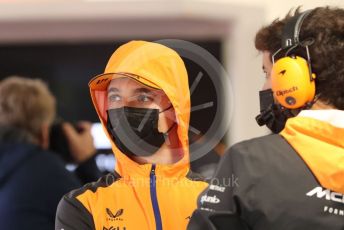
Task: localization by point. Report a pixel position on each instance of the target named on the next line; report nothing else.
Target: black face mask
(135, 130)
(273, 115)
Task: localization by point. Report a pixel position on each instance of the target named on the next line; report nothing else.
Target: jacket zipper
(154, 199)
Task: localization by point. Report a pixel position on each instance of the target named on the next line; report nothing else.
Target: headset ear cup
(291, 82)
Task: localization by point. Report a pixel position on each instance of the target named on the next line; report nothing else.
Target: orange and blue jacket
(139, 196)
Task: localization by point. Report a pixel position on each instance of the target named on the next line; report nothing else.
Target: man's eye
(144, 98)
(115, 97)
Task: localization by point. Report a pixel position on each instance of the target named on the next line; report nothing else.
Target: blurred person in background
(143, 102)
(294, 179)
(33, 179)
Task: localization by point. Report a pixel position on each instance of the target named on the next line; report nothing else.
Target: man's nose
(267, 84)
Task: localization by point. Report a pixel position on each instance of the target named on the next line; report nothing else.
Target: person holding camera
(32, 178)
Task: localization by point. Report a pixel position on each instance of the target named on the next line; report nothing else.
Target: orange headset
(292, 80)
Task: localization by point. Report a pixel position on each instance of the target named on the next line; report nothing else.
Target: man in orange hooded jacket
(143, 102)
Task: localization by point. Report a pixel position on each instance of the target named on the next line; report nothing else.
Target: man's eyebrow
(143, 90)
(113, 90)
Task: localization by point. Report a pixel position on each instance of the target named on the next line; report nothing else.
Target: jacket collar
(331, 116)
(128, 168)
(318, 137)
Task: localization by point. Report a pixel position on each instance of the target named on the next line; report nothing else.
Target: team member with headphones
(291, 82)
(294, 179)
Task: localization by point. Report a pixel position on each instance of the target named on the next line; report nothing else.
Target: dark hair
(326, 26)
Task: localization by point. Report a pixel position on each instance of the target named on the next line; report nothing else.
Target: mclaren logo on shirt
(327, 194)
(114, 228)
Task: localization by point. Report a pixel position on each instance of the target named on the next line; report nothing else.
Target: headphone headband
(291, 31)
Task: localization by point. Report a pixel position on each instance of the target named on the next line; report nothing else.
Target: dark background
(67, 68)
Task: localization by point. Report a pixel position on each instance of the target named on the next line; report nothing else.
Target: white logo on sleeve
(322, 193)
(217, 188)
(327, 194)
(210, 199)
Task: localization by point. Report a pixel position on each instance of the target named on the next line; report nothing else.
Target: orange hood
(157, 66)
(318, 137)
